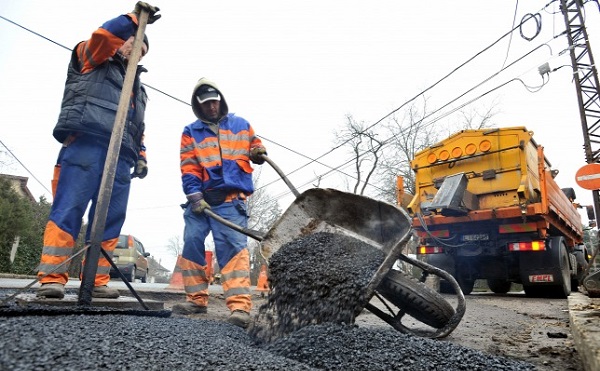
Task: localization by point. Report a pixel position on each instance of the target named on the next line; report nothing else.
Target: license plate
(475, 237)
(541, 278)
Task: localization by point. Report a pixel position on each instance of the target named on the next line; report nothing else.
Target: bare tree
(365, 147)
(381, 161)
(263, 210)
(407, 136)
(175, 246)
(477, 117)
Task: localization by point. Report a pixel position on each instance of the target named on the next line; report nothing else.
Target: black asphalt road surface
(130, 342)
(316, 287)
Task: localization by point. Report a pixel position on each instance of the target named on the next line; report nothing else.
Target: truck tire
(564, 284)
(416, 299)
(499, 286)
(466, 284)
(582, 265)
(563, 287)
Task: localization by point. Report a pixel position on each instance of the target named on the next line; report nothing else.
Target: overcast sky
(294, 70)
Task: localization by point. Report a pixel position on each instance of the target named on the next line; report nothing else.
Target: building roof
(19, 184)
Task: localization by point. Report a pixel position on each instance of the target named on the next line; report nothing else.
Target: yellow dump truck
(486, 206)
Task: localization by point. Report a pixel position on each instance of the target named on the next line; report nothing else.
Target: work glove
(141, 169)
(256, 155)
(198, 202)
(152, 16)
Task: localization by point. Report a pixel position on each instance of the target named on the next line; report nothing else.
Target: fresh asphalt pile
(317, 285)
(318, 278)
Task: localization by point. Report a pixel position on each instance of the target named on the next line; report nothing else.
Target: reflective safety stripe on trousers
(58, 247)
(194, 276)
(103, 264)
(235, 279)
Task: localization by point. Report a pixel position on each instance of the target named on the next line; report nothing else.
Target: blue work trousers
(228, 242)
(81, 168)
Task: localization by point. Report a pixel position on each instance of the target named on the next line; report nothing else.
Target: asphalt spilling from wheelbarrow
(318, 278)
(306, 324)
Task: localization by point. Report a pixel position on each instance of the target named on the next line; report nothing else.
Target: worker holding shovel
(95, 79)
(216, 151)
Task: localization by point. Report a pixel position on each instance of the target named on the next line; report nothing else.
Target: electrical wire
(313, 160)
(510, 39)
(538, 20)
(396, 135)
(25, 167)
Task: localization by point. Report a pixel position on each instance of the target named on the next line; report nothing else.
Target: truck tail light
(430, 250)
(527, 246)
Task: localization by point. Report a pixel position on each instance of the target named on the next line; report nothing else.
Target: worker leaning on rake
(216, 151)
(95, 78)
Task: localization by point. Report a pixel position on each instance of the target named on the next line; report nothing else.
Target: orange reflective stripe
(54, 260)
(195, 281)
(110, 245)
(189, 162)
(235, 145)
(208, 152)
(95, 51)
(54, 236)
(54, 278)
(58, 247)
(103, 272)
(103, 269)
(235, 279)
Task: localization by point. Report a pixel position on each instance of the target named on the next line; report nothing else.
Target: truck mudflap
(547, 273)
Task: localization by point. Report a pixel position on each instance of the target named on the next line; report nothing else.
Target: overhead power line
(313, 160)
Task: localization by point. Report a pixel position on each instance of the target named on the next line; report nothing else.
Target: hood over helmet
(204, 83)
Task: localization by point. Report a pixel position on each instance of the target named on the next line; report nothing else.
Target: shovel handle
(248, 232)
(282, 175)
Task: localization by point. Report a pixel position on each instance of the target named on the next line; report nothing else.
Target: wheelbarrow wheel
(416, 299)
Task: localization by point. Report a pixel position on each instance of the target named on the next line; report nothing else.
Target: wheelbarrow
(379, 224)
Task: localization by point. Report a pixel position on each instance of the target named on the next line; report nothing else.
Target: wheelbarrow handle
(247, 231)
(282, 175)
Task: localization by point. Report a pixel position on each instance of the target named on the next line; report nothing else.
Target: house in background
(157, 273)
(19, 184)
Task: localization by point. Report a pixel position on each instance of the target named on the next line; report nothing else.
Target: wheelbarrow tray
(376, 223)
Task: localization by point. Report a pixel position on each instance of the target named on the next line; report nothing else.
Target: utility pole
(585, 76)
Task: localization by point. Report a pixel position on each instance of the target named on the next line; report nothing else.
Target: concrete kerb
(584, 318)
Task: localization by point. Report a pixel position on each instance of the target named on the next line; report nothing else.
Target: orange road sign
(588, 176)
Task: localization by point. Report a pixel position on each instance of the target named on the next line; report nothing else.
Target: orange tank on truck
(487, 206)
